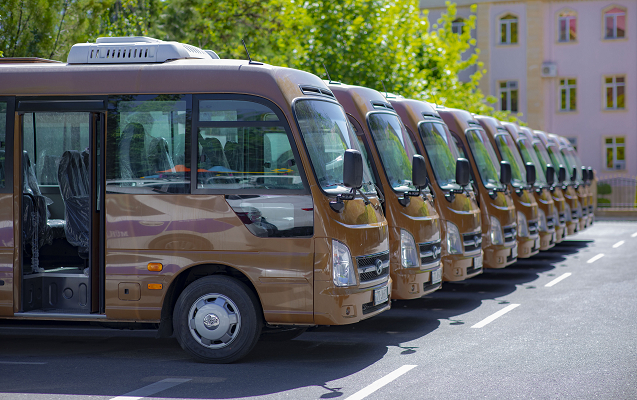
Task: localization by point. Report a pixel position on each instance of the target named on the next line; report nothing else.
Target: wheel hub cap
(211, 321)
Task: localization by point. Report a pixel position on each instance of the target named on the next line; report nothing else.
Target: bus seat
(132, 157)
(213, 150)
(47, 169)
(73, 176)
(159, 156)
(233, 155)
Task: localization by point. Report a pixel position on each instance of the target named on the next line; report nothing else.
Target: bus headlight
(495, 231)
(454, 242)
(409, 253)
(523, 227)
(541, 221)
(343, 268)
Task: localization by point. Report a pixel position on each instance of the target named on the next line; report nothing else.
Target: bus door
(7, 243)
(60, 169)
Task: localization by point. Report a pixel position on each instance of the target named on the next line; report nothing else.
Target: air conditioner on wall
(549, 70)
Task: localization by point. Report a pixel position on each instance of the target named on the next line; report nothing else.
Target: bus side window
(146, 144)
(3, 138)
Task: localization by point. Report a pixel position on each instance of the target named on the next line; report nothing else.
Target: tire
(281, 334)
(217, 319)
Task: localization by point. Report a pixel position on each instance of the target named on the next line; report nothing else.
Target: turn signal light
(155, 267)
(155, 286)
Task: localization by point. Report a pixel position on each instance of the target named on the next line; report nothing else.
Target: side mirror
(584, 174)
(353, 169)
(419, 171)
(591, 174)
(550, 175)
(574, 174)
(505, 172)
(530, 173)
(561, 176)
(463, 172)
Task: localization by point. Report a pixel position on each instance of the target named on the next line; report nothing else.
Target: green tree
(27, 27)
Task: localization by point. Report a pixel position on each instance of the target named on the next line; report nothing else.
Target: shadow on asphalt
(317, 357)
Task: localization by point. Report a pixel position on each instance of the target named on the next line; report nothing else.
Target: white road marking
(366, 391)
(495, 316)
(558, 279)
(151, 389)
(21, 363)
(616, 245)
(634, 235)
(597, 257)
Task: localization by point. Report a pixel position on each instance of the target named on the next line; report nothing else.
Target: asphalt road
(561, 325)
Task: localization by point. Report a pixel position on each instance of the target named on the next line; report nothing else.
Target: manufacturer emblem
(475, 240)
(379, 266)
(434, 250)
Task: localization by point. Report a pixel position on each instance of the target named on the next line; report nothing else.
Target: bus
(455, 200)
(401, 176)
(490, 181)
(146, 181)
(523, 178)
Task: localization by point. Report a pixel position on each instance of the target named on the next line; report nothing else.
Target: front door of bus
(59, 171)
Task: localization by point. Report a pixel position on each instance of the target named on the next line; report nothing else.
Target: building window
(615, 23)
(615, 89)
(509, 96)
(509, 29)
(457, 26)
(615, 155)
(567, 25)
(568, 94)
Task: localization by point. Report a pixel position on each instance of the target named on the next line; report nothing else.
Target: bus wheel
(217, 319)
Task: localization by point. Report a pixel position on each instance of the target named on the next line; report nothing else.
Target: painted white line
(495, 316)
(634, 235)
(366, 391)
(597, 257)
(558, 279)
(616, 245)
(21, 363)
(151, 389)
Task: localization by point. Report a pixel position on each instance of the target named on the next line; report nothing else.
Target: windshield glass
(557, 160)
(442, 153)
(484, 157)
(572, 163)
(529, 155)
(395, 149)
(510, 153)
(327, 135)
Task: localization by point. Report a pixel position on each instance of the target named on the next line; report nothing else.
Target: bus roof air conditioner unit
(549, 70)
(133, 50)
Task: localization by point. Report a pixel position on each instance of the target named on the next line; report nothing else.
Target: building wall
(589, 59)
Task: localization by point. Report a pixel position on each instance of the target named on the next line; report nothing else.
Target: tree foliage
(361, 42)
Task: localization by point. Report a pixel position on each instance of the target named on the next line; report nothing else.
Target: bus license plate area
(381, 295)
(477, 262)
(436, 276)
(514, 251)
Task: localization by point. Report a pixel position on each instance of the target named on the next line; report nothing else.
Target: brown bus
(490, 180)
(572, 211)
(149, 181)
(455, 201)
(548, 216)
(522, 180)
(582, 180)
(401, 175)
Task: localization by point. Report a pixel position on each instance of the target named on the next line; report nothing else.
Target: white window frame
(566, 17)
(507, 23)
(510, 87)
(567, 88)
(614, 16)
(614, 146)
(613, 86)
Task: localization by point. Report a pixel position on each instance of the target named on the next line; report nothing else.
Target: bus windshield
(529, 155)
(327, 135)
(509, 153)
(395, 149)
(557, 160)
(572, 163)
(484, 157)
(442, 153)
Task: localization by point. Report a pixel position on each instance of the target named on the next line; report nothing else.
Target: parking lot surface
(561, 325)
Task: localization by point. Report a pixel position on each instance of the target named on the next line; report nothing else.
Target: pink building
(569, 67)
